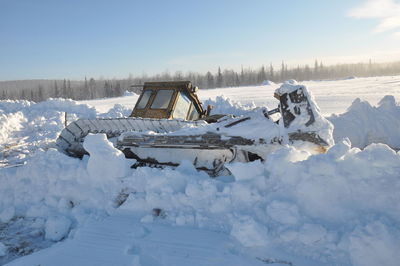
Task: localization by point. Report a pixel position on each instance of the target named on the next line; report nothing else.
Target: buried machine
(168, 125)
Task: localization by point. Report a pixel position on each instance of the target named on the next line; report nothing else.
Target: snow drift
(364, 124)
(333, 208)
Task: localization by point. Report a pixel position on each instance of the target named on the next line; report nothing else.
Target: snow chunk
(57, 227)
(249, 233)
(283, 212)
(241, 170)
(105, 161)
(312, 234)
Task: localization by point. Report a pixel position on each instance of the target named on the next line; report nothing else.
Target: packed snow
(338, 208)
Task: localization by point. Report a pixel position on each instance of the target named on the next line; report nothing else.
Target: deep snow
(338, 208)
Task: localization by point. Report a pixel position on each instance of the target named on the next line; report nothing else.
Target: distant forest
(89, 88)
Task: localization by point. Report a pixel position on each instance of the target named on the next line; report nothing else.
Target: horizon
(277, 69)
(70, 40)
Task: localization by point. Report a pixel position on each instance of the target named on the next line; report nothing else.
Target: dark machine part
(208, 141)
(299, 103)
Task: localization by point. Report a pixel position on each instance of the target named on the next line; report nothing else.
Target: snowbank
(335, 208)
(364, 124)
(39, 121)
(27, 126)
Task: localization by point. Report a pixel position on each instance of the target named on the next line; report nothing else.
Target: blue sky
(78, 38)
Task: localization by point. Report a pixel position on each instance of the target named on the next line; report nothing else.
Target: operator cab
(169, 100)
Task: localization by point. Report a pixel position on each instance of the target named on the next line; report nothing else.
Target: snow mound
(57, 227)
(364, 124)
(38, 121)
(26, 127)
(105, 161)
(129, 93)
(117, 111)
(332, 208)
(267, 82)
(225, 105)
(8, 124)
(311, 208)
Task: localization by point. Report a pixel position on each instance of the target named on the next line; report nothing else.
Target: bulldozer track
(71, 138)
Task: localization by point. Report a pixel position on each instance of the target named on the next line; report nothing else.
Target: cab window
(145, 98)
(193, 114)
(182, 106)
(162, 99)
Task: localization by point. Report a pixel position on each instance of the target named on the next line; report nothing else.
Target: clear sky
(77, 38)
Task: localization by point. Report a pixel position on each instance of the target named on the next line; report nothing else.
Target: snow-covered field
(333, 97)
(338, 208)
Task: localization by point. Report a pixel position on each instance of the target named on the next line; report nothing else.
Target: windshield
(182, 106)
(162, 99)
(145, 98)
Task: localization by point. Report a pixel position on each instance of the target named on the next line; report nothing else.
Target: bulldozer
(169, 124)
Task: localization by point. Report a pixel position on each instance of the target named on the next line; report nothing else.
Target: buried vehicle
(168, 124)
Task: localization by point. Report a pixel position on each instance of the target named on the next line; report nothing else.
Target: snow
(364, 124)
(27, 126)
(105, 162)
(319, 209)
(3, 250)
(338, 208)
(7, 214)
(57, 227)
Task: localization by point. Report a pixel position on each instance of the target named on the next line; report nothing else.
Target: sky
(57, 39)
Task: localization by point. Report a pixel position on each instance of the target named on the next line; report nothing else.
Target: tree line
(39, 90)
